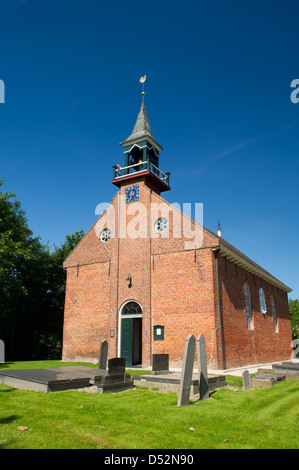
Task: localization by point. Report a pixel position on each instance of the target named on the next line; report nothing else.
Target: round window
(161, 225)
(105, 235)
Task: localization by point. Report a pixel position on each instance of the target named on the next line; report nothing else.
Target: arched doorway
(131, 333)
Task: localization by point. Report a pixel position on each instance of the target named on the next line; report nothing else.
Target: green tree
(32, 286)
(55, 295)
(294, 314)
(17, 249)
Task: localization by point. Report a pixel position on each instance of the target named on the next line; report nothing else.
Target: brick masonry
(176, 288)
(261, 344)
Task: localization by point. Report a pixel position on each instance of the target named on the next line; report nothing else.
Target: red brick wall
(174, 288)
(183, 302)
(165, 281)
(86, 306)
(261, 344)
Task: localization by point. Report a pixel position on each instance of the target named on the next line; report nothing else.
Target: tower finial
(142, 80)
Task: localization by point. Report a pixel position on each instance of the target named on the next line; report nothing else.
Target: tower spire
(142, 126)
(141, 153)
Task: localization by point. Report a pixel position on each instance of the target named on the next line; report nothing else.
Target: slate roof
(142, 126)
(237, 256)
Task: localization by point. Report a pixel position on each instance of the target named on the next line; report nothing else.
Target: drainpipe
(219, 323)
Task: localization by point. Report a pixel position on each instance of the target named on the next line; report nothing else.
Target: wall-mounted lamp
(129, 279)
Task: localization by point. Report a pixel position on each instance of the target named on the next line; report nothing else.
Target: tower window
(263, 306)
(105, 235)
(161, 225)
(248, 307)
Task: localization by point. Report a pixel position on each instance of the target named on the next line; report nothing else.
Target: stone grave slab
(170, 383)
(160, 364)
(267, 380)
(287, 365)
(42, 380)
(112, 383)
(116, 379)
(93, 373)
(289, 369)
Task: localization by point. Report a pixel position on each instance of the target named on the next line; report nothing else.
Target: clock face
(132, 193)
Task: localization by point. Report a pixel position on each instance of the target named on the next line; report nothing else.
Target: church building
(145, 276)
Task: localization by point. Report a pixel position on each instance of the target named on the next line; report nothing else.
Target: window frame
(248, 307)
(274, 313)
(105, 235)
(161, 225)
(263, 304)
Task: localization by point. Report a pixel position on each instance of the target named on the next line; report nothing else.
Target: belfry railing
(140, 167)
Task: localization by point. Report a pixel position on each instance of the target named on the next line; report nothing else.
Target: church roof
(236, 256)
(142, 126)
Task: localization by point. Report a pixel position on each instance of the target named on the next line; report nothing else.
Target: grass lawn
(143, 419)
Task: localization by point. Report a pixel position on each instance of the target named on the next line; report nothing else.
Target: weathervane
(142, 80)
(219, 231)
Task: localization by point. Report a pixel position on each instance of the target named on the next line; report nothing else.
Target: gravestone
(160, 364)
(116, 380)
(103, 355)
(116, 365)
(2, 351)
(187, 371)
(203, 381)
(246, 380)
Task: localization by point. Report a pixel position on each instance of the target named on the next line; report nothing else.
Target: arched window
(263, 306)
(131, 308)
(248, 307)
(273, 306)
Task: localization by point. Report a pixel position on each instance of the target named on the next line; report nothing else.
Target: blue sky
(217, 97)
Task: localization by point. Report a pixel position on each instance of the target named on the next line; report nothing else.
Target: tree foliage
(294, 314)
(32, 286)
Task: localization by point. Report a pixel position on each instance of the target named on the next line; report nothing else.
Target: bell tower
(141, 153)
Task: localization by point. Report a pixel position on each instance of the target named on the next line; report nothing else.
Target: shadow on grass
(8, 389)
(4, 365)
(9, 419)
(7, 445)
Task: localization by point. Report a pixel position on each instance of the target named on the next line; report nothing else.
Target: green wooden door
(126, 348)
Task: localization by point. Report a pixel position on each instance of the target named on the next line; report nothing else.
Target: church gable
(92, 247)
(182, 232)
(89, 250)
(152, 217)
